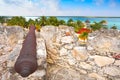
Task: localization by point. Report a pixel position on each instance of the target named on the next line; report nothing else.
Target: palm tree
(114, 27)
(37, 25)
(43, 21)
(62, 22)
(103, 22)
(20, 21)
(53, 21)
(70, 22)
(83, 36)
(3, 19)
(31, 22)
(78, 25)
(96, 26)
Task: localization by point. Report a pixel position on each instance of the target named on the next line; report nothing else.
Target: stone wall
(69, 60)
(61, 55)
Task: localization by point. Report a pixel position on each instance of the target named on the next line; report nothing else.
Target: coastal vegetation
(114, 27)
(2, 19)
(20, 21)
(52, 20)
(81, 28)
(96, 26)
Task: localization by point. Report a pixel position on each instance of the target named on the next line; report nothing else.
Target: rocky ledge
(61, 55)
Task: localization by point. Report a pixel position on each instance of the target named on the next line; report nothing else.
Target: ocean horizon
(111, 21)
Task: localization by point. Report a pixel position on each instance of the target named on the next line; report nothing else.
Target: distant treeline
(52, 20)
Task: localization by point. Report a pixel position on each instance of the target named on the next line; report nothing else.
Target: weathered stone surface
(41, 48)
(67, 39)
(117, 62)
(82, 71)
(103, 61)
(85, 66)
(3, 58)
(63, 52)
(112, 70)
(47, 32)
(104, 41)
(13, 55)
(14, 33)
(96, 76)
(39, 73)
(68, 46)
(68, 74)
(79, 53)
(89, 48)
(71, 61)
(5, 76)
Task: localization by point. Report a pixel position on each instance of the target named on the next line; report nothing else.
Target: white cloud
(37, 8)
(46, 8)
(29, 8)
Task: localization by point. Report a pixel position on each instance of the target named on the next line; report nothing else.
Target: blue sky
(60, 8)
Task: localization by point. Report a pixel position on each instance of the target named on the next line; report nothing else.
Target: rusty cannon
(26, 62)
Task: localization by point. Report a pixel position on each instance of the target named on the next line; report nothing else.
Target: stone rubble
(61, 56)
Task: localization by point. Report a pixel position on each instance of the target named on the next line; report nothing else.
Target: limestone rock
(15, 30)
(63, 52)
(41, 48)
(71, 61)
(67, 39)
(82, 71)
(89, 48)
(3, 58)
(96, 76)
(68, 74)
(5, 76)
(69, 46)
(80, 53)
(14, 53)
(117, 62)
(39, 73)
(103, 61)
(85, 66)
(104, 41)
(47, 32)
(8, 49)
(113, 70)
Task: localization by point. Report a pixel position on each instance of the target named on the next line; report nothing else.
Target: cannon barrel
(26, 62)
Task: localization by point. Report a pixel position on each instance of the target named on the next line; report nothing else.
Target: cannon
(26, 62)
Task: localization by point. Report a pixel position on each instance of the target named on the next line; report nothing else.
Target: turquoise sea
(110, 20)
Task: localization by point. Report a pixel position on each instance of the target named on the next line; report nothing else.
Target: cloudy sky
(60, 8)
